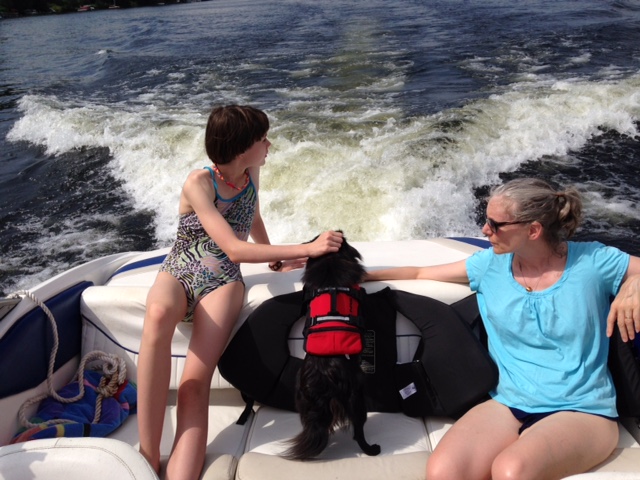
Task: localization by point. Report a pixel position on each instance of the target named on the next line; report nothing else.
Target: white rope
(114, 372)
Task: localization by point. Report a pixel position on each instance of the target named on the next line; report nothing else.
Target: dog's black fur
(330, 391)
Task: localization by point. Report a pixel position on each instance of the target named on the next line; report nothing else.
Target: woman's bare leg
(166, 307)
(214, 318)
(562, 444)
(469, 448)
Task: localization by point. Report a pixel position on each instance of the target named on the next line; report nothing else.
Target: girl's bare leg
(469, 448)
(562, 444)
(166, 307)
(214, 318)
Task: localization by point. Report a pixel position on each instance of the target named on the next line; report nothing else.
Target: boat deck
(112, 310)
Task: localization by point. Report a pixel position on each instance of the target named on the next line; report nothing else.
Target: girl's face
(256, 154)
(501, 229)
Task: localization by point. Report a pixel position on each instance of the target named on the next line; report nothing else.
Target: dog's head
(336, 269)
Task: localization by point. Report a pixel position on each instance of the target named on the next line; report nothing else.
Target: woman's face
(502, 230)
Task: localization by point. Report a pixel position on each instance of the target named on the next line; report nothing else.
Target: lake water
(390, 120)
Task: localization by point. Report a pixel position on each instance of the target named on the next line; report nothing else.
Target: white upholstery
(113, 316)
(408, 466)
(113, 313)
(272, 428)
(225, 440)
(73, 459)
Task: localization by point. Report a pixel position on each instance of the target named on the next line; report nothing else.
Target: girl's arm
(198, 195)
(455, 272)
(625, 308)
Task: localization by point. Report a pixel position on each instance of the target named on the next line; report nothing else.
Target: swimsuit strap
(215, 187)
(213, 178)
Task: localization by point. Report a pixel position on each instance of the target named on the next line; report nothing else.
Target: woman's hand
(326, 242)
(289, 265)
(625, 310)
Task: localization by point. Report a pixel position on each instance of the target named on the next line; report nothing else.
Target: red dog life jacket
(334, 324)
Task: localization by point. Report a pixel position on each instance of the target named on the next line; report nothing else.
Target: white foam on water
(68, 239)
(339, 162)
(412, 178)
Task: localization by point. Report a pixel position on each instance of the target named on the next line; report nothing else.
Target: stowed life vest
(450, 364)
(451, 372)
(334, 324)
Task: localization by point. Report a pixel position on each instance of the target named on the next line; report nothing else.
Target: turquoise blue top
(551, 346)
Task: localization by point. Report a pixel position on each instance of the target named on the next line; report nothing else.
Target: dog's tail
(320, 411)
(309, 443)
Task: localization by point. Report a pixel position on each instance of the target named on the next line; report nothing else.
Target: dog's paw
(372, 450)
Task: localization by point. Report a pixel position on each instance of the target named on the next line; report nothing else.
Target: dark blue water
(390, 120)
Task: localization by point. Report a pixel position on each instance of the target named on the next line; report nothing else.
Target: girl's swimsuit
(196, 261)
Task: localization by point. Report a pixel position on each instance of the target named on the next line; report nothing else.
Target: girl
(200, 282)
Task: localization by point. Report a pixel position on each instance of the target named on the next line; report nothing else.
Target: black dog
(330, 391)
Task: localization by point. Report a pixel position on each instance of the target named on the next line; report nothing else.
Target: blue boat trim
(478, 242)
(85, 319)
(26, 347)
(147, 262)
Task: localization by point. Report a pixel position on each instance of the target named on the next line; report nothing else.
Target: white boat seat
(73, 459)
(112, 316)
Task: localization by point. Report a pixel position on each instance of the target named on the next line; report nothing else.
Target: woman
(544, 302)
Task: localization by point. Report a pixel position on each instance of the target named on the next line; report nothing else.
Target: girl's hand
(327, 242)
(625, 310)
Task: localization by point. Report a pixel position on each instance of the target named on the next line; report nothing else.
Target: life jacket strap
(334, 324)
(335, 304)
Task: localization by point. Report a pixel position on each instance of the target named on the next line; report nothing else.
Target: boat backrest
(113, 313)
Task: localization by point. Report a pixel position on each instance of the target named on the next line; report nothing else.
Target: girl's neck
(235, 178)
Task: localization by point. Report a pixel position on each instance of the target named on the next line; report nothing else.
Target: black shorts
(529, 419)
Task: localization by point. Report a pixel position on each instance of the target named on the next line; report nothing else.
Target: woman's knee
(441, 466)
(507, 466)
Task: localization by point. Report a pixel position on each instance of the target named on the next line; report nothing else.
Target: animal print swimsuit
(196, 261)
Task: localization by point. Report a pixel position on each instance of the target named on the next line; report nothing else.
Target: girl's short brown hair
(232, 130)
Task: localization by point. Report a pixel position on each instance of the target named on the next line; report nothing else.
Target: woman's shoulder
(590, 247)
(595, 252)
(483, 259)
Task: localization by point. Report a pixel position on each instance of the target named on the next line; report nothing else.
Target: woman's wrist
(275, 266)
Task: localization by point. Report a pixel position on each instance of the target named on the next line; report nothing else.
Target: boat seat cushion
(74, 459)
(394, 432)
(258, 466)
(113, 313)
(226, 440)
(113, 317)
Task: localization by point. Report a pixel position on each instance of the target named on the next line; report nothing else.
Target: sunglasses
(495, 226)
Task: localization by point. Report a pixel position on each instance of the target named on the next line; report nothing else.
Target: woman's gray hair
(534, 200)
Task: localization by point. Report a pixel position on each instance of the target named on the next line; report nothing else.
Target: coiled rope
(114, 372)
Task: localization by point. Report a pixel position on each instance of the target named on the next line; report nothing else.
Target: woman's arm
(455, 272)
(198, 195)
(625, 308)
